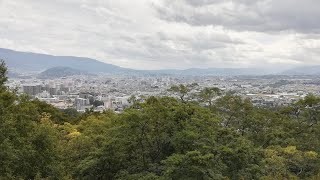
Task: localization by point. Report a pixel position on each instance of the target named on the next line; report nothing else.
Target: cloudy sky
(158, 34)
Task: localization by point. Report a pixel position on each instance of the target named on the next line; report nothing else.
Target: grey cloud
(197, 48)
(252, 15)
(202, 2)
(190, 33)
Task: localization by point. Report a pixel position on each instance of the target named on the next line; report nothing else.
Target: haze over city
(165, 34)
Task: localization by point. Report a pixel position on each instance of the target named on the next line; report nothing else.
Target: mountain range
(50, 65)
(304, 70)
(33, 62)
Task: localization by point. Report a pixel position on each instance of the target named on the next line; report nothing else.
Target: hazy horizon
(163, 34)
(272, 69)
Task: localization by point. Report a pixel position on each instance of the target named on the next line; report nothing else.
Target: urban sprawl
(105, 92)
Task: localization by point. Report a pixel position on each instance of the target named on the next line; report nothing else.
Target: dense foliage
(160, 138)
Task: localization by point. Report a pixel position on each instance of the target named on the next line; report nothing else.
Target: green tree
(193, 165)
(207, 94)
(29, 143)
(3, 74)
(182, 91)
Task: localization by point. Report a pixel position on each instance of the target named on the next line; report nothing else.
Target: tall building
(81, 102)
(32, 89)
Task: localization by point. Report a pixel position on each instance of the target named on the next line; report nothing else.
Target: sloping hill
(57, 72)
(25, 61)
(214, 72)
(306, 70)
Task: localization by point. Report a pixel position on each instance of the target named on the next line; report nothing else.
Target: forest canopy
(160, 138)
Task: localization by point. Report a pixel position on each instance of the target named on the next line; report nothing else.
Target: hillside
(160, 138)
(57, 72)
(305, 70)
(212, 72)
(25, 61)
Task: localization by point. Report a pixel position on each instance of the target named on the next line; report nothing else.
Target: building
(32, 89)
(81, 102)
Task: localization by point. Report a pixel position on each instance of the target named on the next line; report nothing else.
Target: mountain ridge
(28, 61)
(35, 62)
(304, 70)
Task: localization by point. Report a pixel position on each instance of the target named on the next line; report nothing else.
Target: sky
(167, 34)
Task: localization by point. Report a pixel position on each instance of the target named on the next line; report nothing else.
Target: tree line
(159, 138)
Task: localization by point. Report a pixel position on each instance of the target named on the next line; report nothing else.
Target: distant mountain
(225, 71)
(27, 62)
(13, 74)
(33, 62)
(213, 72)
(58, 72)
(305, 70)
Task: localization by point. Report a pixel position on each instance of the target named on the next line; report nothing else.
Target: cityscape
(159, 90)
(112, 92)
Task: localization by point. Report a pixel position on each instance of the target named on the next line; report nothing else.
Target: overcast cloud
(158, 34)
